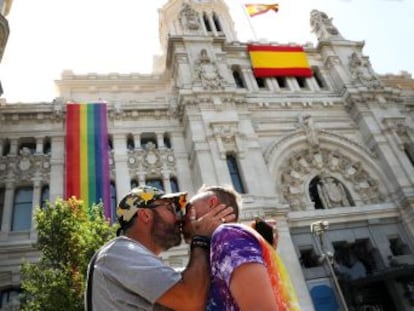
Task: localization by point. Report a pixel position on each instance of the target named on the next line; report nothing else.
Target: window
(398, 247)
(47, 147)
(409, 151)
(22, 209)
(113, 198)
(206, 22)
(110, 144)
(238, 79)
(6, 147)
(318, 77)
(167, 141)
(235, 174)
(134, 183)
(308, 258)
(313, 193)
(261, 83)
(130, 142)
(28, 143)
(8, 296)
(147, 138)
(174, 185)
(301, 82)
(155, 182)
(2, 196)
(44, 196)
(281, 81)
(216, 22)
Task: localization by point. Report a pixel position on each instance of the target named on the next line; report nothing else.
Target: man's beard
(165, 235)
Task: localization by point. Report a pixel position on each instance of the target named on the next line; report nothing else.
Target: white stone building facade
(337, 147)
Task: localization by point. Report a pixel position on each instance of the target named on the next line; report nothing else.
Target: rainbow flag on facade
(87, 162)
(279, 61)
(256, 9)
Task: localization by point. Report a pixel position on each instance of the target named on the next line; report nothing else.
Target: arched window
(217, 22)
(238, 78)
(206, 22)
(22, 209)
(130, 142)
(155, 182)
(235, 173)
(9, 297)
(44, 196)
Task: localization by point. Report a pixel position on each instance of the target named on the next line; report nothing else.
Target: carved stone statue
(332, 193)
(189, 17)
(207, 71)
(322, 26)
(361, 71)
(306, 122)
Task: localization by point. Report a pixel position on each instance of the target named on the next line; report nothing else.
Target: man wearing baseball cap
(127, 272)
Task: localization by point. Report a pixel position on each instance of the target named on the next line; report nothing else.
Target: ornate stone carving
(304, 165)
(362, 72)
(306, 123)
(151, 160)
(189, 17)
(207, 72)
(332, 193)
(322, 26)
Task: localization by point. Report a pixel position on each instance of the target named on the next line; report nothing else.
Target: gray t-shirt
(128, 276)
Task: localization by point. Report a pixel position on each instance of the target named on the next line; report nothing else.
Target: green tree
(68, 236)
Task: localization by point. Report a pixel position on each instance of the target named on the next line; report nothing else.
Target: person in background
(127, 272)
(243, 272)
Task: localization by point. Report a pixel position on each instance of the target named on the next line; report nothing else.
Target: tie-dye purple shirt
(232, 245)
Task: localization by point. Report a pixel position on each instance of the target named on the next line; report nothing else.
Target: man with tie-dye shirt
(244, 274)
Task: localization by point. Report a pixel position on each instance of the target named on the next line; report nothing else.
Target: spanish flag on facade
(256, 9)
(279, 61)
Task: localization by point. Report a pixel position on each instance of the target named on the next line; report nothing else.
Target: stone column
(182, 165)
(121, 166)
(248, 79)
(7, 210)
(13, 147)
(37, 189)
(166, 182)
(286, 250)
(57, 171)
(39, 145)
(160, 140)
(137, 141)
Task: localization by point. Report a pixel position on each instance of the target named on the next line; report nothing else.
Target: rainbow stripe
(87, 163)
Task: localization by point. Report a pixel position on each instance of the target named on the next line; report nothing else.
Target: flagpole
(249, 21)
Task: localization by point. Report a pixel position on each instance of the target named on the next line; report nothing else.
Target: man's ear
(213, 201)
(144, 214)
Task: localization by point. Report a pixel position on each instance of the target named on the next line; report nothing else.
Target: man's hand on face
(206, 224)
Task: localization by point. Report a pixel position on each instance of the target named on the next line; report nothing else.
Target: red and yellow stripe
(256, 9)
(279, 61)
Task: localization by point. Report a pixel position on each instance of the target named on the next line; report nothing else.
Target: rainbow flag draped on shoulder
(87, 162)
(279, 61)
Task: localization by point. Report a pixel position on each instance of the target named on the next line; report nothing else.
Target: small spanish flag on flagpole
(256, 9)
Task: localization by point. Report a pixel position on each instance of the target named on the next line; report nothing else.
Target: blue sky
(104, 36)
